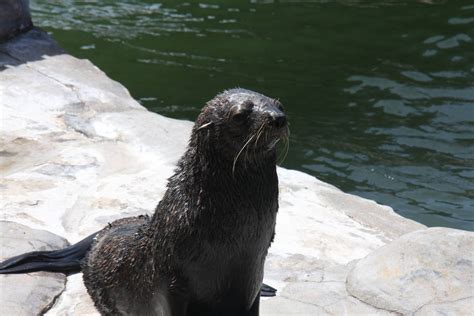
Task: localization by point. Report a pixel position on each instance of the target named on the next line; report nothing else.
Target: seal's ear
(203, 126)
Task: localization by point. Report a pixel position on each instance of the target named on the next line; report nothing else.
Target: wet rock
(424, 271)
(32, 293)
(14, 18)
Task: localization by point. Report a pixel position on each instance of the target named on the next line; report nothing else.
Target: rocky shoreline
(78, 152)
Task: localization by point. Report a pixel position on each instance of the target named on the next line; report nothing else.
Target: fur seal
(203, 250)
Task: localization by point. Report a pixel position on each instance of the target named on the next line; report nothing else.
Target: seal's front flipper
(267, 291)
(67, 260)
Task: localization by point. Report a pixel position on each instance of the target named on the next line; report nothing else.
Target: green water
(380, 94)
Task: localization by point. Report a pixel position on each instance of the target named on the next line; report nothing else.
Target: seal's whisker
(246, 158)
(204, 125)
(286, 141)
(240, 151)
(254, 147)
(259, 133)
(247, 149)
(284, 153)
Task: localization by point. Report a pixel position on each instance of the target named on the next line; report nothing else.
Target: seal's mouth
(278, 132)
(267, 136)
(280, 135)
(263, 141)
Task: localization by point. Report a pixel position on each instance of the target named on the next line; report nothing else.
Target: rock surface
(431, 267)
(79, 152)
(28, 294)
(14, 18)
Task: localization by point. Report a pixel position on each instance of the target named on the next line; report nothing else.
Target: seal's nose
(278, 119)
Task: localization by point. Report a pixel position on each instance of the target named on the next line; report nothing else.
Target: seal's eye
(246, 106)
(241, 116)
(242, 111)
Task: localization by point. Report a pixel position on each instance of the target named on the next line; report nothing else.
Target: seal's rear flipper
(267, 291)
(67, 260)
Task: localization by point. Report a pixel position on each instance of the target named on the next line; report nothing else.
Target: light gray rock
(283, 306)
(423, 271)
(14, 18)
(455, 308)
(368, 213)
(32, 293)
(309, 286)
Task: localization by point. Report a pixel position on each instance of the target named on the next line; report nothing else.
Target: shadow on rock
(30, 46)
(15, 26)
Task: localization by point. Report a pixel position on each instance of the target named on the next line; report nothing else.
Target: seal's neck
(209, 182)
(207, 201)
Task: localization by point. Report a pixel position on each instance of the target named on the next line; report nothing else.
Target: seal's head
(242, 121)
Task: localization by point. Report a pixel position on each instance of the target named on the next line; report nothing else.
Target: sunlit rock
(423, 271)
(28, 294)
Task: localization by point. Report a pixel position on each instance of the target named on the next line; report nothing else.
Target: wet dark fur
(203, 251)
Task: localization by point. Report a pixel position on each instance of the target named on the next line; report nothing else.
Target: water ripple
(381, 101)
